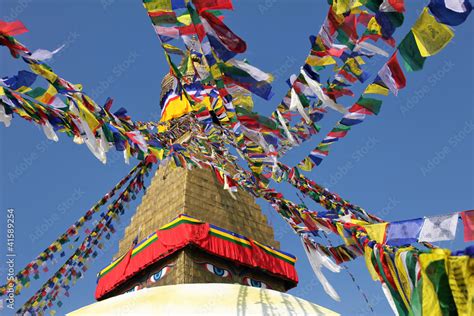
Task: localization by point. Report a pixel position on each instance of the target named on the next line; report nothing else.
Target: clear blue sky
(414, 159)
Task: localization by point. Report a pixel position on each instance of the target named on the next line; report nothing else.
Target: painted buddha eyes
(155, 277)
(223, 273)
(133, 289)
(255, 283)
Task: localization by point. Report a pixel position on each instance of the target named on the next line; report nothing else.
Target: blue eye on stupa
(255, 283)
(155, 277)
(133, 289)
(216, 270)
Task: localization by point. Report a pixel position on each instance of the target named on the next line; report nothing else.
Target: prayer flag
(468, 221)
(203, 5)
(439, 228)
(404, 232)
(12, 28)
(22, 79)
(377, 232)
(392, 75)
(450, 12)
(410, 53)
(430, 35)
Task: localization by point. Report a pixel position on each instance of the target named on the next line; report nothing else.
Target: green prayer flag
(413, 61)
(373, 105)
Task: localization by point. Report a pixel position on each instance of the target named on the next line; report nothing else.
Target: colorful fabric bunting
(216, 113)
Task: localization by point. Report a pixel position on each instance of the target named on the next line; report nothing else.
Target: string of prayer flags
(337, 42)
(67, 237)
(211, 81)
(426, 38)
(70, 271)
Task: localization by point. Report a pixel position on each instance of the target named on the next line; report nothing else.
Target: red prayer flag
(468, 221)
(398, 5)
(397, 72)
(12, 28)
(203, 5)
(232, 42)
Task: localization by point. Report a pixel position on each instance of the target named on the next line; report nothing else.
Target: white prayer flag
(439, 228)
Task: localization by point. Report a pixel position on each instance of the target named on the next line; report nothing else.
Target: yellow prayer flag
(360, 60)
(402, 271)
(343, 234)
(48, 95)
(341, 6)
(87, 115)
(430, 35)
(320, 61)
(374, 27)
(430, 302)
(376, 232)
(23, 89)
(216, 72)
(398, 285)
(368, 261)
(376, 89)
(306, 164)
(354, 66)
(358, 221)
(158, 5)
(43, 71)
(461, 282)
(185, 19)
(158, 152)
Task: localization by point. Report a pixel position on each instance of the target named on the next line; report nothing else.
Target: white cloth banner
(44, 54)
(439, 228)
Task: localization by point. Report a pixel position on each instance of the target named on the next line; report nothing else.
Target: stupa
(202, 249)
